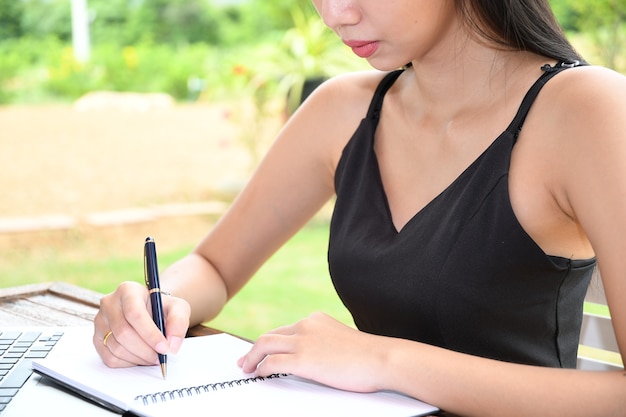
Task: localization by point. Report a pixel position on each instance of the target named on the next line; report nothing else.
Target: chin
(381, 65)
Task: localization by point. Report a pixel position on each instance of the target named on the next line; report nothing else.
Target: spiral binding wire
(159, 397)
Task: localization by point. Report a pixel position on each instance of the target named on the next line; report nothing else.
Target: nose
(337, 13)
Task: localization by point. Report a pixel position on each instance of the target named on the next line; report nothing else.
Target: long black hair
(524, 25)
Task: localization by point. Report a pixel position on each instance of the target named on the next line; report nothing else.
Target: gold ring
(106, 337)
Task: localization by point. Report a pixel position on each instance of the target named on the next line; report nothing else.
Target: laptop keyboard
(17, 349)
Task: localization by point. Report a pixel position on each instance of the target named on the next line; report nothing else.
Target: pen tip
(164, 370)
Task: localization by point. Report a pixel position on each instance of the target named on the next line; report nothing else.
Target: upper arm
(593, 134)
(293, 181)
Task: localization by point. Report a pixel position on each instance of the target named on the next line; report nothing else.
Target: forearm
(473, 386)
(197, 281)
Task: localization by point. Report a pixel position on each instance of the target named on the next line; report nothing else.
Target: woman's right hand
(125, 334)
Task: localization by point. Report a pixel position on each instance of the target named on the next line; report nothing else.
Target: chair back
(598, 349)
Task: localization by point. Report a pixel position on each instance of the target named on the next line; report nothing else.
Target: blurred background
(126, 118)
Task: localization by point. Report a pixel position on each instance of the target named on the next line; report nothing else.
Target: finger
(283, 330)
(124, 313)
(177, 312)
(145, 335)
(268, 344)
(113, 353)
(281, 363)
(265, 342)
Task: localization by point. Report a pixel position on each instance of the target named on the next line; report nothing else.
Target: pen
(151, 274)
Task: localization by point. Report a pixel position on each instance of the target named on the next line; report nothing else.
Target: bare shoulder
(582, 112)
(335, 108)
(587, 100)
(362, 82)
(346, 95)
(583, 123)
(590, 79)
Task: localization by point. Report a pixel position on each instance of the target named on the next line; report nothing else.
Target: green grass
(291, 285)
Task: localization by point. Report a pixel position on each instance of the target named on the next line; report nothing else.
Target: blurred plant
(307, 51)
(23, 66)
(598, 26)
(177, 47)
(141, 68)
(130, 57)
(254, 110)
(129, 22)
(605, 22)
(274, 76)
(69, 78)
(10, 65)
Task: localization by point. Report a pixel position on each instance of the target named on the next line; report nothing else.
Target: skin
(567, 188)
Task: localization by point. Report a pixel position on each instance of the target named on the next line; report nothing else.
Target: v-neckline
(446, 190)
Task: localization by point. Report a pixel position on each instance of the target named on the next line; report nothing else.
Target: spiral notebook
(204, 377)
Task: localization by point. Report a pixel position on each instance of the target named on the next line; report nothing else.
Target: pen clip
(145, 263)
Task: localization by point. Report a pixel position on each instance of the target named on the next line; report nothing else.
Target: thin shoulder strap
(548, 72)
(379, 95)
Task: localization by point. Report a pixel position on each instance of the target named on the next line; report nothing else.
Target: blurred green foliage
(189, 47)
(181, 47)
(128, 22)
(603, 24)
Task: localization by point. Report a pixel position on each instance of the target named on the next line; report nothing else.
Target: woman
(466, 226)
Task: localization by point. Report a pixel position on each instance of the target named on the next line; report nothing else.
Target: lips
(363, 49)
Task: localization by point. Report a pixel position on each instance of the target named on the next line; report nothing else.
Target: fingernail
(162, 348)
(175, 344)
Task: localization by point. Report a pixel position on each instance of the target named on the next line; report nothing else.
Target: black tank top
(462, 273)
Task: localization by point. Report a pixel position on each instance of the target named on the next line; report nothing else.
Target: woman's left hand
(322, 349)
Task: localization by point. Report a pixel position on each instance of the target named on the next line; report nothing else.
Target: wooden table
(57, 304)
(49, 304)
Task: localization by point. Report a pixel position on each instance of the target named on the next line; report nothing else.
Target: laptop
(25, 394)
